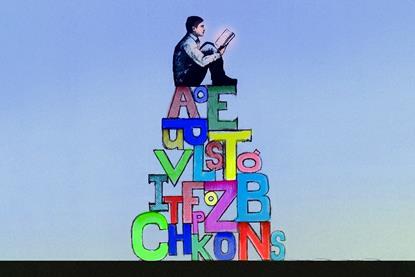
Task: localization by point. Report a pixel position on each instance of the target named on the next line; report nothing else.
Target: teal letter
(198, 246)
(158, 180)
(274, 241)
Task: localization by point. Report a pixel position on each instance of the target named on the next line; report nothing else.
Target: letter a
(178, 102)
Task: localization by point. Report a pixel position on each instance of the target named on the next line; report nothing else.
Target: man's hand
(222, 50)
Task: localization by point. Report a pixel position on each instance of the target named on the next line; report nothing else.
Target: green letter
(215, 106)
(174, 173)
(139, 223)
(198, 246)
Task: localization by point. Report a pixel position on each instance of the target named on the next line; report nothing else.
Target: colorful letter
(189, 125)
(211, 198)
(139, 223)
(198, 216)
(174, 173)
(173, 144)
(173, 202)
(214, 155)
(259, 195)
(217, 246)
(189, 200)
(278, 235)
(200, 94)
(158, 180)
(212, 223)
(215, 105)
(198, 173)
(198, 247)
(231, 138)
(254, 156)
(178, 102)
(186, 237)
(262, 247)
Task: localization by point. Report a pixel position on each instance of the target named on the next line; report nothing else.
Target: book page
(224, 38)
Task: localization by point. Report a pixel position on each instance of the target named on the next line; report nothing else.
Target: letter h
(186, 237)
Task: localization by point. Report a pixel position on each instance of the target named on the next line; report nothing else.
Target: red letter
(214, 155)
(262, 247)
(173, 202)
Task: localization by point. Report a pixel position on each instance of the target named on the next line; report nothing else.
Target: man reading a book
(191, 60)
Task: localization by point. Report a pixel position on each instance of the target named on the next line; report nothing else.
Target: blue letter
(217, 246)
(259, 195)
(198, 173)
(188, 125)
(186, 237)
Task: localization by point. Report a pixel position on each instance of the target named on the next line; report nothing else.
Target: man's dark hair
(193, 21)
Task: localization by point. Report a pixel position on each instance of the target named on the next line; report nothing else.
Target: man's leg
(208, 48)
(216, 69)
(194, 77)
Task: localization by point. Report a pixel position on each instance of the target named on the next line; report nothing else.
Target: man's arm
(197, 55)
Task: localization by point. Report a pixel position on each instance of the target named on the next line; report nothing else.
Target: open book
(224, 39)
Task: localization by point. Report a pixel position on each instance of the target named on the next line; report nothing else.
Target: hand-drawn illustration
(192, 60)
(220, 173)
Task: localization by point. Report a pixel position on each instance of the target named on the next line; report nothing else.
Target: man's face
(199, 30)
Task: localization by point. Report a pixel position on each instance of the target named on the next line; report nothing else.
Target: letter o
(211, 198)
(204, 94)
(254, 156)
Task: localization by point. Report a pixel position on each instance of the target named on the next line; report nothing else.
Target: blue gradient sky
(327, 87)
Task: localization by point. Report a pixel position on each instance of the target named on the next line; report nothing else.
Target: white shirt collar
(193, 36)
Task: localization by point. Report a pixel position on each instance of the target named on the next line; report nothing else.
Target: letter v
(173, 173)
(212, 223)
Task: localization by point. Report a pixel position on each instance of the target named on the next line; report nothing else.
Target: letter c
(139, 223)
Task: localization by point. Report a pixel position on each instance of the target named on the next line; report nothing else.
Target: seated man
(191, 61)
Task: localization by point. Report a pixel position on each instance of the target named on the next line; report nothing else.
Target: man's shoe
(225, 81)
